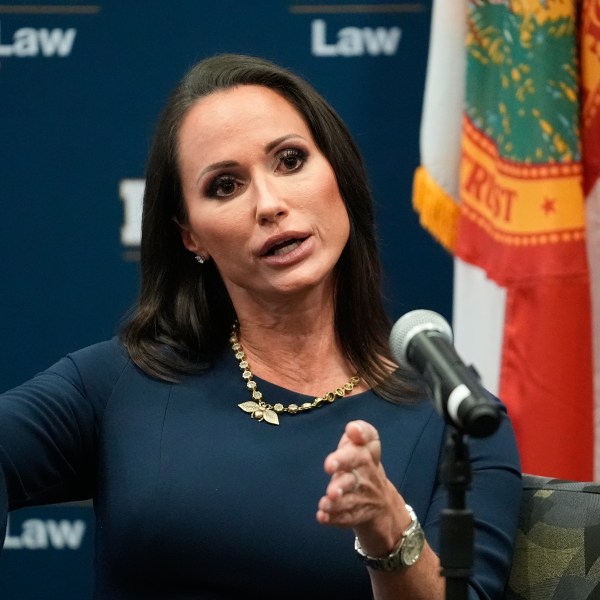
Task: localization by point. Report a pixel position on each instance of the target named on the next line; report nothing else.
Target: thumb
(362, 433)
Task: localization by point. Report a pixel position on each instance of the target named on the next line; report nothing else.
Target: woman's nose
(270, 205)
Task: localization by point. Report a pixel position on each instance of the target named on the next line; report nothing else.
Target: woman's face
(262, 201)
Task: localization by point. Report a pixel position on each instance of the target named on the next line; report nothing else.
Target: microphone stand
(456, 522)
(461, 401)
(456, 526)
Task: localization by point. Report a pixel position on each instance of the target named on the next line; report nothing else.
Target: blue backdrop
(81, 86)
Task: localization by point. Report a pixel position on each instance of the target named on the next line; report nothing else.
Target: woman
(232, 439)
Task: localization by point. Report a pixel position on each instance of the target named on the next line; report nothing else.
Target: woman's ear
(189, 239)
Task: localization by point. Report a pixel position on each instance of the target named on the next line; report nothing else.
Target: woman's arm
(48, 430)
(361, 496)
(376, 511)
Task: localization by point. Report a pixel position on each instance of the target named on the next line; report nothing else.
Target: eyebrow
(271, 145)
(227, 164)
(224, 164)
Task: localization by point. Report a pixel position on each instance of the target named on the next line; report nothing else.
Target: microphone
(422, 339)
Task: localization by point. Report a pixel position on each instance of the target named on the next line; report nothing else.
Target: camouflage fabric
(558, 542)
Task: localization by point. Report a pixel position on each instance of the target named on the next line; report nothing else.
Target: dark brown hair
(184, 315)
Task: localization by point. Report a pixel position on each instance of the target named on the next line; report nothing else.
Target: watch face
(412, 547)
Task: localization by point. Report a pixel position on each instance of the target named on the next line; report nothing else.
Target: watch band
(404, 555)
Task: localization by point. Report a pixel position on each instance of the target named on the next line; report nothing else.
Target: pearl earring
(200, 258)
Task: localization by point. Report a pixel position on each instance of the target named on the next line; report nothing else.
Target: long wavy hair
(184, 315)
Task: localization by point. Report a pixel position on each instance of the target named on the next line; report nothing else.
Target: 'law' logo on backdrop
(38, 534)
(354, 41)
(28, 42)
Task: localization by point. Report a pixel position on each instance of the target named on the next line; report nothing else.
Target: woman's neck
(296, 350)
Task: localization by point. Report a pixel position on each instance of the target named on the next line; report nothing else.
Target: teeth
(286, 249)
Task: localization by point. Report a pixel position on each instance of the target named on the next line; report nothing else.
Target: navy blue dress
(195, 499)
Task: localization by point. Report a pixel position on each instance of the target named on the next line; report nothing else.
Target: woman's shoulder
(98, 365)
(110, 350)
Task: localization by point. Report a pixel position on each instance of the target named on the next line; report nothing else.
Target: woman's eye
(222, 187)
(291, 159)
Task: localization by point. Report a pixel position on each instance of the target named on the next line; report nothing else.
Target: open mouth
(284, 247)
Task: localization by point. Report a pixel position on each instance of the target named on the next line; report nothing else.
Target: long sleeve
(48, 434)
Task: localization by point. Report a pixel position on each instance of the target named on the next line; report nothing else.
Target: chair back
(558, 542)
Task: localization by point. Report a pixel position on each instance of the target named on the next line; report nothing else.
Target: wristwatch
(406, 553)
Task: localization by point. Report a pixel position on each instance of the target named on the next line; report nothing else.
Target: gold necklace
(259, 409)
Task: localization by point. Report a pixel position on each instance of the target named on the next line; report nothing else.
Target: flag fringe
(438, 211)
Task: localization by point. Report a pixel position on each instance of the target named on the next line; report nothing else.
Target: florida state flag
(530, 98)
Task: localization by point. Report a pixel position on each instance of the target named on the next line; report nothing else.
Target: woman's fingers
(358, 483)
(358, 445)
(361, 432)
(343, 483)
